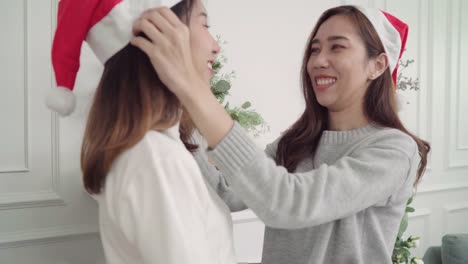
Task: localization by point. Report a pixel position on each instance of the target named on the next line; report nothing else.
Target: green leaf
(234, 116)
(406, 253)
(216, 66)
(246, 105)
(403, 225)
(410, 209)
(222, 86)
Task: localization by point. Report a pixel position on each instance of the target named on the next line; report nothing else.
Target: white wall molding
(46, 236)
(27, 147)
(434, 188)
(449, 210)
(457, 154)
(420, 213)
(456, 207)
(45, 217)
(51, 197)
(30, 200)
(6, 169)
(460, 146)
(425, 73)
(55, 165)
(27, 141)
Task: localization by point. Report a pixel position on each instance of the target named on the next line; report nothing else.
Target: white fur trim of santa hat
(114, 31)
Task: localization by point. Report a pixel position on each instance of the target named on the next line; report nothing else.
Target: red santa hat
(392, 32)
(106, 25)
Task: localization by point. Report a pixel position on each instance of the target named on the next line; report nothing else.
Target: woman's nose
(216, 47)
(321, 60)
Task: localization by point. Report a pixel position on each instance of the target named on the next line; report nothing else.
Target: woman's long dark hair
(302, 138)
(129, 101)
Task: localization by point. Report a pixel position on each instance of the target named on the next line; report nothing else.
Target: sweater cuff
(197, 139)
(236, 151)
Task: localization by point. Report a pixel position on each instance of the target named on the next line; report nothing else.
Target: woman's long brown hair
(129, 101)
(302, 138)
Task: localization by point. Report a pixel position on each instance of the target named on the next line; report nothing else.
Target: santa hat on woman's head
(392, 32)
(106, 25)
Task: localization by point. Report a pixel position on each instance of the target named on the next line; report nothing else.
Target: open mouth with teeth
(323, 83)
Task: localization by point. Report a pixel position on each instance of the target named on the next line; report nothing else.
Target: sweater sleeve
(214, 176)
(162, 213)
(218, 183)
(370, 175)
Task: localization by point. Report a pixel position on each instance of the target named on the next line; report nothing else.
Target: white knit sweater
(157, 208)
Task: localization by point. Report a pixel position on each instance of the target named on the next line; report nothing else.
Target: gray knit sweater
(342, 206)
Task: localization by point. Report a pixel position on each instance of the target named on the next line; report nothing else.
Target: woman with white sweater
(333, 187)
(154, 204)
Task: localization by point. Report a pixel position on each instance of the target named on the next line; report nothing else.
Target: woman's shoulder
(156, 146)
(155, 153)
(392, 138)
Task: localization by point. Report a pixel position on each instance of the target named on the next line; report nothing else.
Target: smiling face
(204, 46)
(338, 66)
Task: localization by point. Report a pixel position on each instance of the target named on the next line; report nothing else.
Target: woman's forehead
(338, 25)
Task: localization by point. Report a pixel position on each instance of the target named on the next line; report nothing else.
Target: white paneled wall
(457, 127)
(46, 217)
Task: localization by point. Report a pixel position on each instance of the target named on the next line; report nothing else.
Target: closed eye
(337, 47)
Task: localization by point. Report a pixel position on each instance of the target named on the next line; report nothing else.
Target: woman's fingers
(145, 45)
(158, 20)
(168, 24)
(161, 23)
(170, 17)
(168, 48)
(149, 29)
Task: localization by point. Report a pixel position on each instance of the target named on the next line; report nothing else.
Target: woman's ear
(378, 66)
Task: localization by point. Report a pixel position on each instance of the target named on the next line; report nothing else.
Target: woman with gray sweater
(333, 187)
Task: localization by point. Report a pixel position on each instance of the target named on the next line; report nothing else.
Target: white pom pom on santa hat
(106, 25)
(61, 100)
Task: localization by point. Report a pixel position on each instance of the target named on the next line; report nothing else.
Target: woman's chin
(325, 102)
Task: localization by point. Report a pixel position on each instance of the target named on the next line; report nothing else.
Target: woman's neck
(347, 119)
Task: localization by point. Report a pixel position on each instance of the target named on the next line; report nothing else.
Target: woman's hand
(168, 47)
(169, 50)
